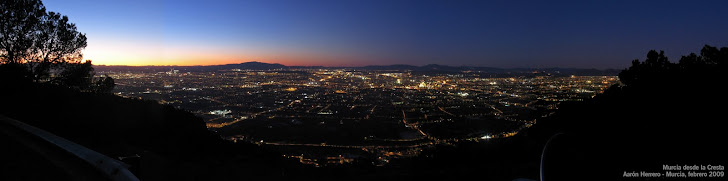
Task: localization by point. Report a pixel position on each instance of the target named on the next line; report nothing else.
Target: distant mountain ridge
(251, 66)
(398, 67)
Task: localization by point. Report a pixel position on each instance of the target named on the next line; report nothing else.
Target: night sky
(507, 34)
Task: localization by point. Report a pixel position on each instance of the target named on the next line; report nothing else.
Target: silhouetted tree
(656, 69)
(57, 42)
(18, 24)
(80, 76)
(714, 56)
(38, 39)
(691, 60)
(105, 84)
(14, 73)
(76, 75)
(645, 71)
(709, 56)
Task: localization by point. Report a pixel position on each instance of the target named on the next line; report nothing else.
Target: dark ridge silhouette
(172, 143)
(249, 66)
(663, 113)
(389, 67)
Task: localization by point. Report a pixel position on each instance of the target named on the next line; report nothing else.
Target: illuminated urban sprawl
(336, 116)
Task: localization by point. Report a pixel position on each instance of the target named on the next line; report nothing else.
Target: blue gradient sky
(534, 34)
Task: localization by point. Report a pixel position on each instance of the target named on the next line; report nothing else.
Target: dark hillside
(664, 113)
(173, 144)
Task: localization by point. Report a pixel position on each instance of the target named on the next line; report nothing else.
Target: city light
(329, 108)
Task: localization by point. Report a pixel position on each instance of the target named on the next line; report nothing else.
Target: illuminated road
(347, 146)
(443, 110)
(415, 127)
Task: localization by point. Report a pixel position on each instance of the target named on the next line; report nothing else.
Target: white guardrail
(113, 169)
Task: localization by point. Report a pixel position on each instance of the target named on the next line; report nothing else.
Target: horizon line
(356, 66)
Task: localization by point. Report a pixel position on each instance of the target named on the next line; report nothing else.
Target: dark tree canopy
(43, 46)
(19, 22)
(105, 84)
(56, 42)
(656, 69)
(39, 39)
(76, 75)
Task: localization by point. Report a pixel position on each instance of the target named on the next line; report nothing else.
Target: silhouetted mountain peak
(252, 66)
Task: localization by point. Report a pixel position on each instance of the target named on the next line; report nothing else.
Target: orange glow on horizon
(156, 53)
(181, 63)
(191, 59)
(143, 62)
